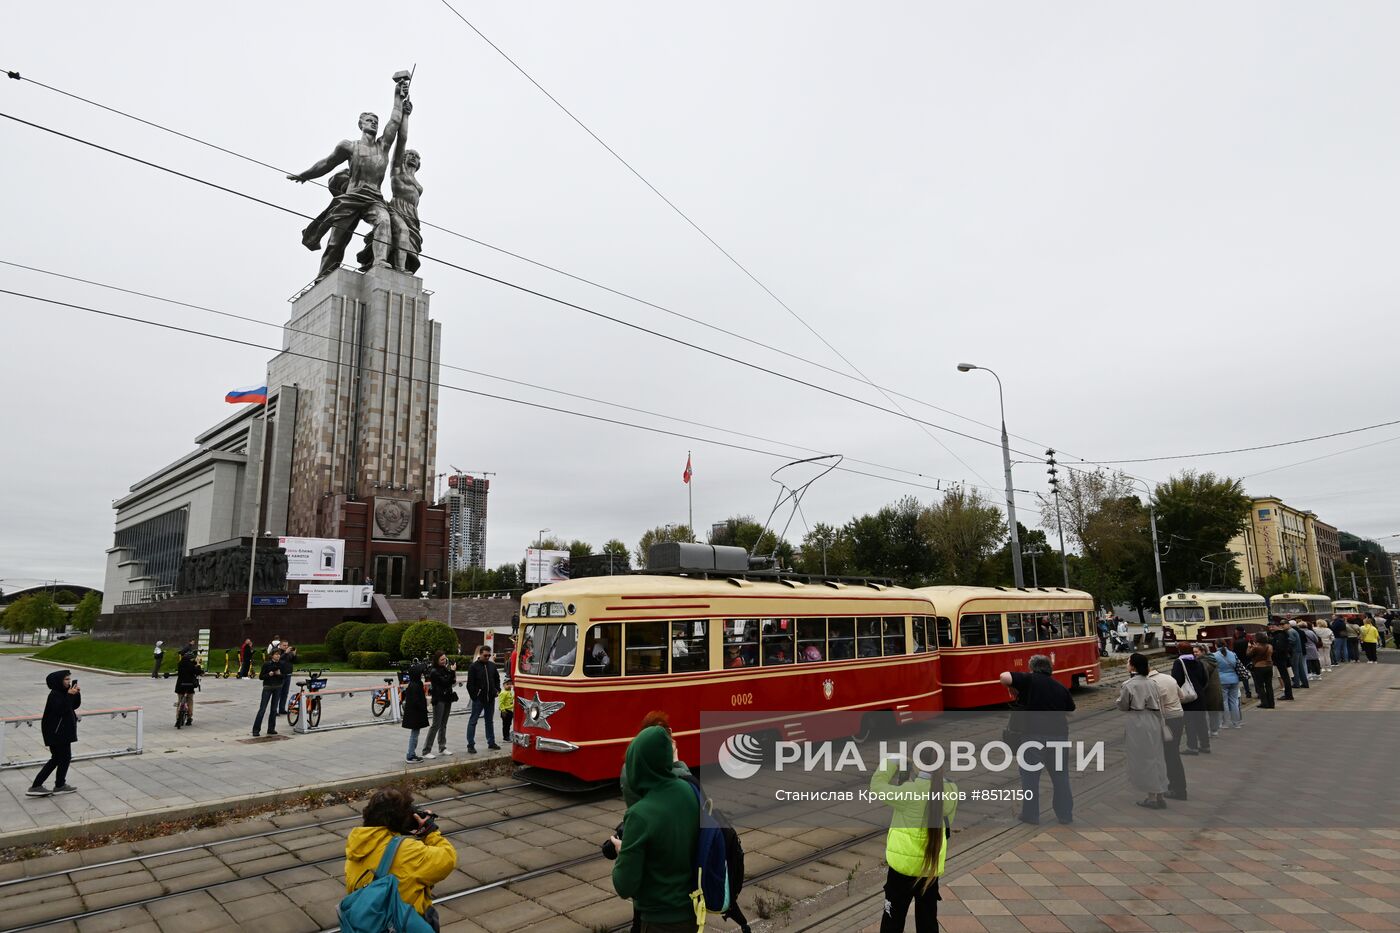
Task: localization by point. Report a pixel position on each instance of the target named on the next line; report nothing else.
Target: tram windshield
(549, 649)
(1290, 608)
(1184, 614)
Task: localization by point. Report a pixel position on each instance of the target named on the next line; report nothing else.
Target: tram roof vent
(691, 557)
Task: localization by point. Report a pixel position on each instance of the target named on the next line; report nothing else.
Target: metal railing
(304, 702)
(148, 595)
(124, 712)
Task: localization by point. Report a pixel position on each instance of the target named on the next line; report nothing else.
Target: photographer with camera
(423, 858)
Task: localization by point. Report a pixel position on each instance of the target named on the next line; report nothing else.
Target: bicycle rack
(124, 712)
(395, 713)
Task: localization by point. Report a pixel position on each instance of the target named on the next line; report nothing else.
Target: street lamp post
(1006, 468)
(1156, 554)
(1033, 553)
(539, 557)
(1059, 523)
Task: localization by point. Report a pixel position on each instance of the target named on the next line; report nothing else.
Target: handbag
(452, 697)
(1188, 689)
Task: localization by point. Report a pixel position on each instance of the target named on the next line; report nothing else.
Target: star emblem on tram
(537, 711)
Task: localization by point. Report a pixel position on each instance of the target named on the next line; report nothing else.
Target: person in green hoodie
(657, 848)
(917, 845)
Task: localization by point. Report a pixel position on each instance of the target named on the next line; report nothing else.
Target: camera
(610, 850)
(429, 825)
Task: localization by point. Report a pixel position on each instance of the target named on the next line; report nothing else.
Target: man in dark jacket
(245, 657)
(655, 853)
(1299, 646)
(60, 730)
(1043, 718)
(289, 663)
(271, 677)
(483, 684)
(187, 680)
(1283, 658)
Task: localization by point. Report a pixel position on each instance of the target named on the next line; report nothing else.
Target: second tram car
(597, 654)
(1311, 607)
(1348, 609)
(983, 631)
(1205, 615)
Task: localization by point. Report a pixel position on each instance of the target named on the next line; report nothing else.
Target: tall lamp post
(539, 558)
(1033, 553)
(1156, 554)
(1006, 467)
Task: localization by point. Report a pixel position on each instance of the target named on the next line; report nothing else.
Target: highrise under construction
(466, 520)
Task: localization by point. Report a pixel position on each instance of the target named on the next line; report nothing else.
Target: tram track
(79, 916)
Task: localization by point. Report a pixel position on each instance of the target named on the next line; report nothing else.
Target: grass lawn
(19, 649)
(137, 659)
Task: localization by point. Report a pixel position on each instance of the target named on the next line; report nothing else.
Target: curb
(230, 806)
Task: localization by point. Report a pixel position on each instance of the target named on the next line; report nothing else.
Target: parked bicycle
(379, 699)
(313, 683)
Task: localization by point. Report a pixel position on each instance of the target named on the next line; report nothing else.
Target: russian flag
(256, 395)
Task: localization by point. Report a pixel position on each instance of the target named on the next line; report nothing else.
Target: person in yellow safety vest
(917, 845)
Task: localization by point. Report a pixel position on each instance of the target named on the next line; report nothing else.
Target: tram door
(389, 573)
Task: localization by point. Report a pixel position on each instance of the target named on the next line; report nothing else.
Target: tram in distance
(777, 657)
(1349, 609)
(1204, 615)
(1310, 607)
(984, 630)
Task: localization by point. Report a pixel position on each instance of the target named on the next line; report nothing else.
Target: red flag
(686, 475)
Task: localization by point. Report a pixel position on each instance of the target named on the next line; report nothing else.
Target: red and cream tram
(1310, 607)
(1349, 609)
(983, 631)
(1208, 615)
(597, 654)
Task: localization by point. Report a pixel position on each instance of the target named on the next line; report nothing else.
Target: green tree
(65, 598)
(422, 639)
(616, 549)
(1282, 581)
(1103, 518)
(87, 611)
(889, 544)
(826, 549)
(1198, 515)
(962, 530)
(579, 549)
(509, 576)
(743, 531)
(657, 536)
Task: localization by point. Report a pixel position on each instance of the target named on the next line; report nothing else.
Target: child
(505, 702)
(917, 844)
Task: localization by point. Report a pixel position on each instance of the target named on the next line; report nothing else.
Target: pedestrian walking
(1261, 667)
(1045, 705)
(245, 657)
(59, 729)
(1227, 665)
(1339, 640)
(1144, 733)
(916, 846)
(656, 847)
(506, 704)
(271, 677)
(1312, 653)
(159, 656)
(442, 685)
(1283, 658)
(1187, 669)
(1299, 646)
(289, 664)
(423, 857)
(1215, 689)
(1169, 695)
(1326, 646)
(1370, 639)
(187, 682)
(483, 685)
(415, 710)
(1353, 642)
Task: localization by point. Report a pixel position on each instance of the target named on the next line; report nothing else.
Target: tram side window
(994, 633)
(945, 632)
(740, 642)
(920, 627)
(647, 648)
(1052, 622)
(549, 649)
(1013, 628)
(811, 639)
(1081, 627)
(868, 638)
(971, 632)
(602, 655)
(777, 637)
(690, 646)
(894, 635)
(841, 639)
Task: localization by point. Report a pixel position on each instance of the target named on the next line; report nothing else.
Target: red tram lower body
(972, 676)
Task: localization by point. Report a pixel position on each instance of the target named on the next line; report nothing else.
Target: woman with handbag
(1190, 676)
(1144, 734)
(442, 678)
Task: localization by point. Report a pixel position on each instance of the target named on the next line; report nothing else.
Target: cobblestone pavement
(214, 760)
(1117, 868)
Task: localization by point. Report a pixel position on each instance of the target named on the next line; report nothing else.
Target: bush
(369, 660)
(312, 654)
(463, 662)
(424, 638)
(390, 639)
(335, 640)
(356, 637)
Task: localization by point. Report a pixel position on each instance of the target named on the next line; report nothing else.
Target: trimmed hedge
(390, 639)
(370, 660)
(424, 638)
(356, 637)
(313, 654)
(335, 640)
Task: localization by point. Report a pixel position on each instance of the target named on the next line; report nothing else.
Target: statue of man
(406, 234)
(362, 199)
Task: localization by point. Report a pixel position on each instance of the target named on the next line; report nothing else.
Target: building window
(159, 543)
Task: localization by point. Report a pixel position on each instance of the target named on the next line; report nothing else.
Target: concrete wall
(175, 620)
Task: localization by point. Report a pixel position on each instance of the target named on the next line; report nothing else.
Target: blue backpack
(711, 858)
(377, 907)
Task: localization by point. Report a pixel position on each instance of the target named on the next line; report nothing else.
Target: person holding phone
(60, 731)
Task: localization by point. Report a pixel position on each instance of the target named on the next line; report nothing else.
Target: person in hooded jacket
(187, 680)
(415, 710)
(60, 730)
(1283, 658)
(655, 854)
(424, 857)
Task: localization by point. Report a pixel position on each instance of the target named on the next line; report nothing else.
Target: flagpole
(257, 516)
(690, 494)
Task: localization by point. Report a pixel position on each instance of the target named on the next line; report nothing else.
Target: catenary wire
(942, 481)
(711, 240)
(443, 385)
(700, 322)
(1336, 453)
(1244, 450)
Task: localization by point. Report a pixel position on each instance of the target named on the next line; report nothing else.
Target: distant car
(62, 635)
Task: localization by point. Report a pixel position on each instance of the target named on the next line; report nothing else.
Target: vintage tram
(1206, 615)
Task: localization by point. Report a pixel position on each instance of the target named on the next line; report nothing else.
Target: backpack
(377, 907)
(712, 857)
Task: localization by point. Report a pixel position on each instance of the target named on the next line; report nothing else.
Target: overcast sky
(1170, 229)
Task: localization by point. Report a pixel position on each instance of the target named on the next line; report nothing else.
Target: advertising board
(314, 558)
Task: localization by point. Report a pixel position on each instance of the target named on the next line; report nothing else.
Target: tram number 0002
(741, 699)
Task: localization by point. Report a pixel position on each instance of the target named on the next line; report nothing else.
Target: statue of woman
(403, 209)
